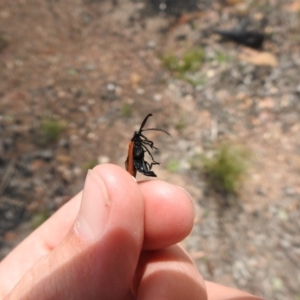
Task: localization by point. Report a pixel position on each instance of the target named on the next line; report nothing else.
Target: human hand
(116, 240)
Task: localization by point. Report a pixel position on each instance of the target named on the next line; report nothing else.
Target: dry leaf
(234, 2)
(64, 159)
(266, 103)
(258, 58)
(135, 79)
(295, 6)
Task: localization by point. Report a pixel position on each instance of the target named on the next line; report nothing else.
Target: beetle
(137, 148)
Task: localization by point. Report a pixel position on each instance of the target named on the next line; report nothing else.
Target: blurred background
(78, 77)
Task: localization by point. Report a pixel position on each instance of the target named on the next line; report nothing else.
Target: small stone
(10, 236)
(157, 97)
(19, 63)
(58, 201)
(140, 91)
(9, 215)
(210, 73)
(277, 283)
(240, 272)
(151, 44)
(91, 101)
(289, 191)
(92, 136)
(36, 164)
(5, 14)
(65, 173)
(43, 154)
(111, 87)
(83, 108)
(9, 65)
(77, 171)
(282, 214)
(103, 159)
(63, 143)
(64, 159)
(285, 244)
(135, 79)
(162, 6)
(90, 67)
(267, 103)
(74, 137)
(61, 94)
(185, 165)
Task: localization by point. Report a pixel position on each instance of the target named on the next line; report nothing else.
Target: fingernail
(95, 208)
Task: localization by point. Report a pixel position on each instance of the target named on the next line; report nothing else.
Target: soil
(94, 68)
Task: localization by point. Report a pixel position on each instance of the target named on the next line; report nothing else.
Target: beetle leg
(148, 142)
(152, 164)
(143, 167)
(146, 149)
(147, 169)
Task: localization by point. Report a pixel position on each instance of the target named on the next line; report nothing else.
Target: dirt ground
(94, 67)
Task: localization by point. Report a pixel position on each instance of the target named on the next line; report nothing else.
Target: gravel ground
(94, 68)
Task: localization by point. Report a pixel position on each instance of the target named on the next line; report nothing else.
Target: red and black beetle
(136, 151)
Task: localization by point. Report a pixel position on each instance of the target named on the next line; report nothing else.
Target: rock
(103, 159)
(46, 154)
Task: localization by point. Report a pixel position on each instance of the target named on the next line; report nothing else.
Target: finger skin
(162, 274)
(37, 244)
(168, 274)
(88, 269)
(160, 230)
(169, 214)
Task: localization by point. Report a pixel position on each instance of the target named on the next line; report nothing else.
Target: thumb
(98, 257)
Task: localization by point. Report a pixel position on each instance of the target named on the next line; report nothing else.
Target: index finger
(169, 214)
(168, 219)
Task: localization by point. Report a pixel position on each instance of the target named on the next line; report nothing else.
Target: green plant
(195, 79)
(190, 61)
(8, 118)
(73, 72)
(173, 166)
(126, 110)
(196, 161)
(49, 131)
(90, 165)
(3, 42)
(186, 66)
(222, 57)
(170, 62)
(226, 169)
(38, 219)
(181, 124)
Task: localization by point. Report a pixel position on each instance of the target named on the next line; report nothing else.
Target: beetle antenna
(156, 129)
(144, 122)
